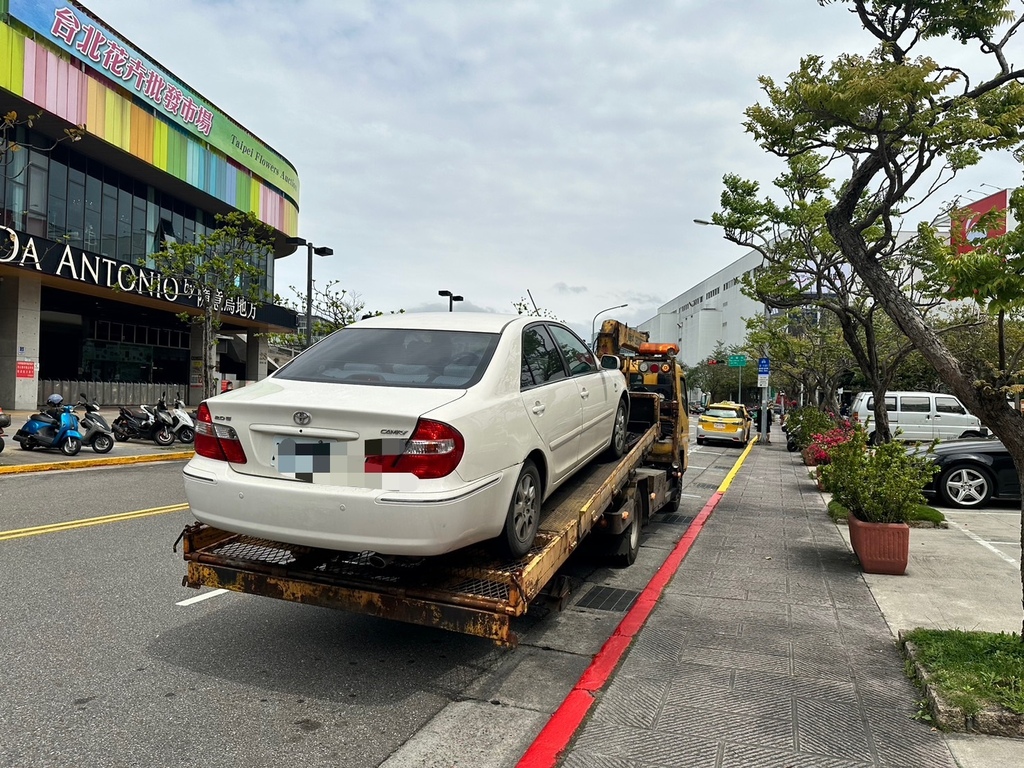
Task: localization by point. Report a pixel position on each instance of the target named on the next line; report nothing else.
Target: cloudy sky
(560, 147)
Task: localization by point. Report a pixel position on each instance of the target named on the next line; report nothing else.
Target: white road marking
(975, 537)
(204, 596)
(691, 496)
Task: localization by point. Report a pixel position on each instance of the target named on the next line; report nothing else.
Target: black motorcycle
(146, 423)
(5, 421)
(94, 428)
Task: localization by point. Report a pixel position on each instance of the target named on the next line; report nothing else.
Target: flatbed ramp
(467, 591)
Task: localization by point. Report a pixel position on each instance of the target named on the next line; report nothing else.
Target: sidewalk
(14, 459)
(769, 649)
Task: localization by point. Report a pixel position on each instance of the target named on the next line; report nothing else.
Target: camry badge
(302, 418)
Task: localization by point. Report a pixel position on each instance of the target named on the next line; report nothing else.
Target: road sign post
(764, 369)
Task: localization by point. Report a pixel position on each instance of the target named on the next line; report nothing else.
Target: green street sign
(737, 361)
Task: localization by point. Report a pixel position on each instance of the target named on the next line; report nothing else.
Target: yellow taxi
(726, 421)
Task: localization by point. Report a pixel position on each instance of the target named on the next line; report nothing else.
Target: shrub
(877, 485)
(820, 449)
(803, 423)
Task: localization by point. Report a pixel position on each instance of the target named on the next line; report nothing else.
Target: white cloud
(491, 148)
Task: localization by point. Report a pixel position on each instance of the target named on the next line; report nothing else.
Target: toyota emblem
(302, 418)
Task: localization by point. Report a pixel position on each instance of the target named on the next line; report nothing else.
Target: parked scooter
(147, 423)
(96, 432)
(56, 429)
(5, 421)
(183, 426)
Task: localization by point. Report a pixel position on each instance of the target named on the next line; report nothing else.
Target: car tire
(966, 486)
(523, 519)
(627, 545)
(617, 446)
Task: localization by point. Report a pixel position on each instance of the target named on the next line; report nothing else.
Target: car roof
(486, 322)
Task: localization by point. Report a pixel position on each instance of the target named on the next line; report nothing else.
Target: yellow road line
(736, 466)
(100, 462)
(69, 525)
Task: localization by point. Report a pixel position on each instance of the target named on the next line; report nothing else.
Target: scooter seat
(46, 419)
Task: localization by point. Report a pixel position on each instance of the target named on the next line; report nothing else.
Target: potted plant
(880, 487)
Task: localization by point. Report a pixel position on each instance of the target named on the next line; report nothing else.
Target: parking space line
(200, 598)
(975, 537)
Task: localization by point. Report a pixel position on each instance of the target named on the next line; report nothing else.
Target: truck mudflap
(469, 591)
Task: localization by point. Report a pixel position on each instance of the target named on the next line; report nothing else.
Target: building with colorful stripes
(148, 160)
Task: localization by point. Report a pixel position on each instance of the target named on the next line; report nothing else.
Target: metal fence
(110, 392)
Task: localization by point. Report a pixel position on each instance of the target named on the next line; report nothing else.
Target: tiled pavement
(767, 649)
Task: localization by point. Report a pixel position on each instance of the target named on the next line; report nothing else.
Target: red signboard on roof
(963, 221)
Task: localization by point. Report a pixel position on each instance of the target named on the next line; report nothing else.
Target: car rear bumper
(345, 518)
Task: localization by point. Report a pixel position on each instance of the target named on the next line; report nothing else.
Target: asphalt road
(103, 665)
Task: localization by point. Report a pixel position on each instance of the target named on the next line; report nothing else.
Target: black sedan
(971, 472)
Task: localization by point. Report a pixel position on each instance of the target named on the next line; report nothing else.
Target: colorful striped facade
(59, 86)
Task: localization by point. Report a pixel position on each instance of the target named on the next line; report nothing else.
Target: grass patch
(920, 513)
(972, 670)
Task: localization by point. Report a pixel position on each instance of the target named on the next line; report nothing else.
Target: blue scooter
(44, 431)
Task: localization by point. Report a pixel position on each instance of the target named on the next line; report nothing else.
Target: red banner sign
(24, 370)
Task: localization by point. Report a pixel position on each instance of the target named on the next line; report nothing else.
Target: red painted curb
(563, 723)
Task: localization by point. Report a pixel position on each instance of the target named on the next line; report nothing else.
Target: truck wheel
(523, 517)
(617, 446)
(627, 546)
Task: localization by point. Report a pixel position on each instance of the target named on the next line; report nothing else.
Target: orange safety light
(650, 348)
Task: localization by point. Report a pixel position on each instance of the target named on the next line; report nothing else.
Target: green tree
(219, 269)
(804, 270)
(901, 125)
(332, 308)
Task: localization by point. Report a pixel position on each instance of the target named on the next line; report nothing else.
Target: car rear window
(722, 413)
(395, 357)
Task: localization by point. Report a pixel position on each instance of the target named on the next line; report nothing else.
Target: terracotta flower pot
(880, 547)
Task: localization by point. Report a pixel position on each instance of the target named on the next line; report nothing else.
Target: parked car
(726, 421)
(921, 416)
(409, 434)
(972, 472)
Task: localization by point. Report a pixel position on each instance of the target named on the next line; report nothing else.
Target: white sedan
(410, 434)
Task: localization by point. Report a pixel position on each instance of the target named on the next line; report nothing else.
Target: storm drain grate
(674, 519)
(608, 599)
(708, 486)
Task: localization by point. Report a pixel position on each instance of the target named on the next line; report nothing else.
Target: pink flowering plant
(822, 445)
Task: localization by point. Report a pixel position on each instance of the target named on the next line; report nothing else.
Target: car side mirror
(610, 362)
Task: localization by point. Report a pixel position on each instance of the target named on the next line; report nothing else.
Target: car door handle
(539, 408)
(584, 393)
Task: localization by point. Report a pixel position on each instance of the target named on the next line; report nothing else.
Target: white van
(921, 416)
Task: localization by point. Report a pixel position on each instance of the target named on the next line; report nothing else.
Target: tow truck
(473, 590)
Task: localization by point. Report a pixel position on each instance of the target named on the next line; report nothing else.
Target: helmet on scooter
(55, 400)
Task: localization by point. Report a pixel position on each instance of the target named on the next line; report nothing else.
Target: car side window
(541, 361)
(915, 404)
(580, 359)
(949, 405)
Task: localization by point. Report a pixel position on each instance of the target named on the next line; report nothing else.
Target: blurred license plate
(302, 458)
(720, 425)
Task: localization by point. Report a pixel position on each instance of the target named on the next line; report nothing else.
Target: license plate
(720, 425)
(302, 458)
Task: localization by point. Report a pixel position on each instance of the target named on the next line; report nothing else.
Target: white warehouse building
(711, 313)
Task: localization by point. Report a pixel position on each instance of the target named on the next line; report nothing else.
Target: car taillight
(434, 450)
(217, 441)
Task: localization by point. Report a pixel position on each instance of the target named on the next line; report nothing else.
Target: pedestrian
(768, 426)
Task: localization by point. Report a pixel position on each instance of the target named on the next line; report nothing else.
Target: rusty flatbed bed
(468, 591)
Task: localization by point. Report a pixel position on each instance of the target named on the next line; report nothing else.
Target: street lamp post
(593, 326)
(451, 299)
(311, 249)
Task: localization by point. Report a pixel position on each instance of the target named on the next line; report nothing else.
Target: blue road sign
(764, 366)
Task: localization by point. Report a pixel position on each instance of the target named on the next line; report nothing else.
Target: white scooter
(183, 426)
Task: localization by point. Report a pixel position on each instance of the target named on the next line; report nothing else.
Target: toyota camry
(409, 434)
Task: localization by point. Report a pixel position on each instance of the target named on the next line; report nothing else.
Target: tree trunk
(986, 402)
